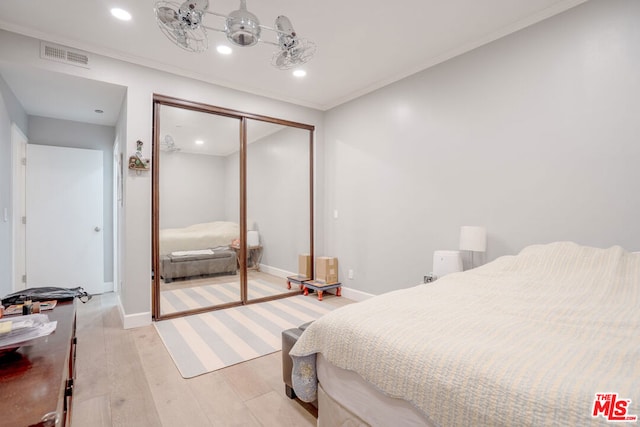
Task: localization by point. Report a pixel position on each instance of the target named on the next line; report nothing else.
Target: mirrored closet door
(278, 205)
(232, 206)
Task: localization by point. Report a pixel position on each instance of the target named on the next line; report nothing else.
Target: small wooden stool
(297, 279)
(320, 287)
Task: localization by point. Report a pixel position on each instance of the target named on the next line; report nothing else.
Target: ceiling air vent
(64, 54)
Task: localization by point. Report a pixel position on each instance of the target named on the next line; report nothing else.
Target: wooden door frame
(19, 143)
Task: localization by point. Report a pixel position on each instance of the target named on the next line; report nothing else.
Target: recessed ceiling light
(224, 50)
(299, 73)
(121, 14)
(199, 142)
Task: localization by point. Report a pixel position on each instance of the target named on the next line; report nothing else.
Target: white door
(64, 218)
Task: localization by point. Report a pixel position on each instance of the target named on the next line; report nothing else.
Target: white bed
(198, 236)
(524, 340)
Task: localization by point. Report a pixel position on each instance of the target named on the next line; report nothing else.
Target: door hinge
(24, 278)
(24, 219)
(24, 161)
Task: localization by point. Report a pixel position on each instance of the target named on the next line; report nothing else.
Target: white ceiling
(61, 96)
(362, 46)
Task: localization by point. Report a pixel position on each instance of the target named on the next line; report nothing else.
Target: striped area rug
(206, 342)
(209, 295)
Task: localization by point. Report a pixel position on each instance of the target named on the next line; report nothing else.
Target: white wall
(192, 189)
(141, 83)
(278, 195)
(65, 133)
(534, 136)
(10, 111)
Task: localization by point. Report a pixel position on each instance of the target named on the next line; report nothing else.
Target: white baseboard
(137, 320)
(278, 272)
(107, 287)
(355, 294)
(352, 294)
(131, 321)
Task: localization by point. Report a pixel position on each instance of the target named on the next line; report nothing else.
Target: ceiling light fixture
(183, 25)
(199, 142)
(299, 73)
(224, 50)
(121, 14)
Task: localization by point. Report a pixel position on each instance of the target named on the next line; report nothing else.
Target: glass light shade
(243, 27)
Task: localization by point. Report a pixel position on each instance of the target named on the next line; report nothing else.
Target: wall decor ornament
(137, 162)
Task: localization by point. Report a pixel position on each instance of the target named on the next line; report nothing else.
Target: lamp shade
(253, 238)
(473, 238)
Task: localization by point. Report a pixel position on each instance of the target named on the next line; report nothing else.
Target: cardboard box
(327, 269)
(304, 265)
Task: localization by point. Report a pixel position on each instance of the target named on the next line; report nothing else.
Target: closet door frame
(160, 100)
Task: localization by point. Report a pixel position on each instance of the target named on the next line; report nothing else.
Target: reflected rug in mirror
(206, 342)
(208, 295)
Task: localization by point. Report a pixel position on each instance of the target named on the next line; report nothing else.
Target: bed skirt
(332, 413)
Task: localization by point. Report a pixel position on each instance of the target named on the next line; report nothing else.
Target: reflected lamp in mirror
(253, 238)
(446, 262)
(473, 239)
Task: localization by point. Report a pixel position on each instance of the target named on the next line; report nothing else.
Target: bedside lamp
(473, 239)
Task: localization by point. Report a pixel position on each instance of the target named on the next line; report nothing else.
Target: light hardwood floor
(127, 378)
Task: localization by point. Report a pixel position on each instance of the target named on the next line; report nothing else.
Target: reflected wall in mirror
(278, 194)
(215, 170)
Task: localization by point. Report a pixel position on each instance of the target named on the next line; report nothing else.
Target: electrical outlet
(350, 275)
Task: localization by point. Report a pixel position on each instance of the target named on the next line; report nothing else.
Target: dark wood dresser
(37, 379)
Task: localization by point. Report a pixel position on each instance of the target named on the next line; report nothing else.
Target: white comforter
(524, 340)
(198, 236)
